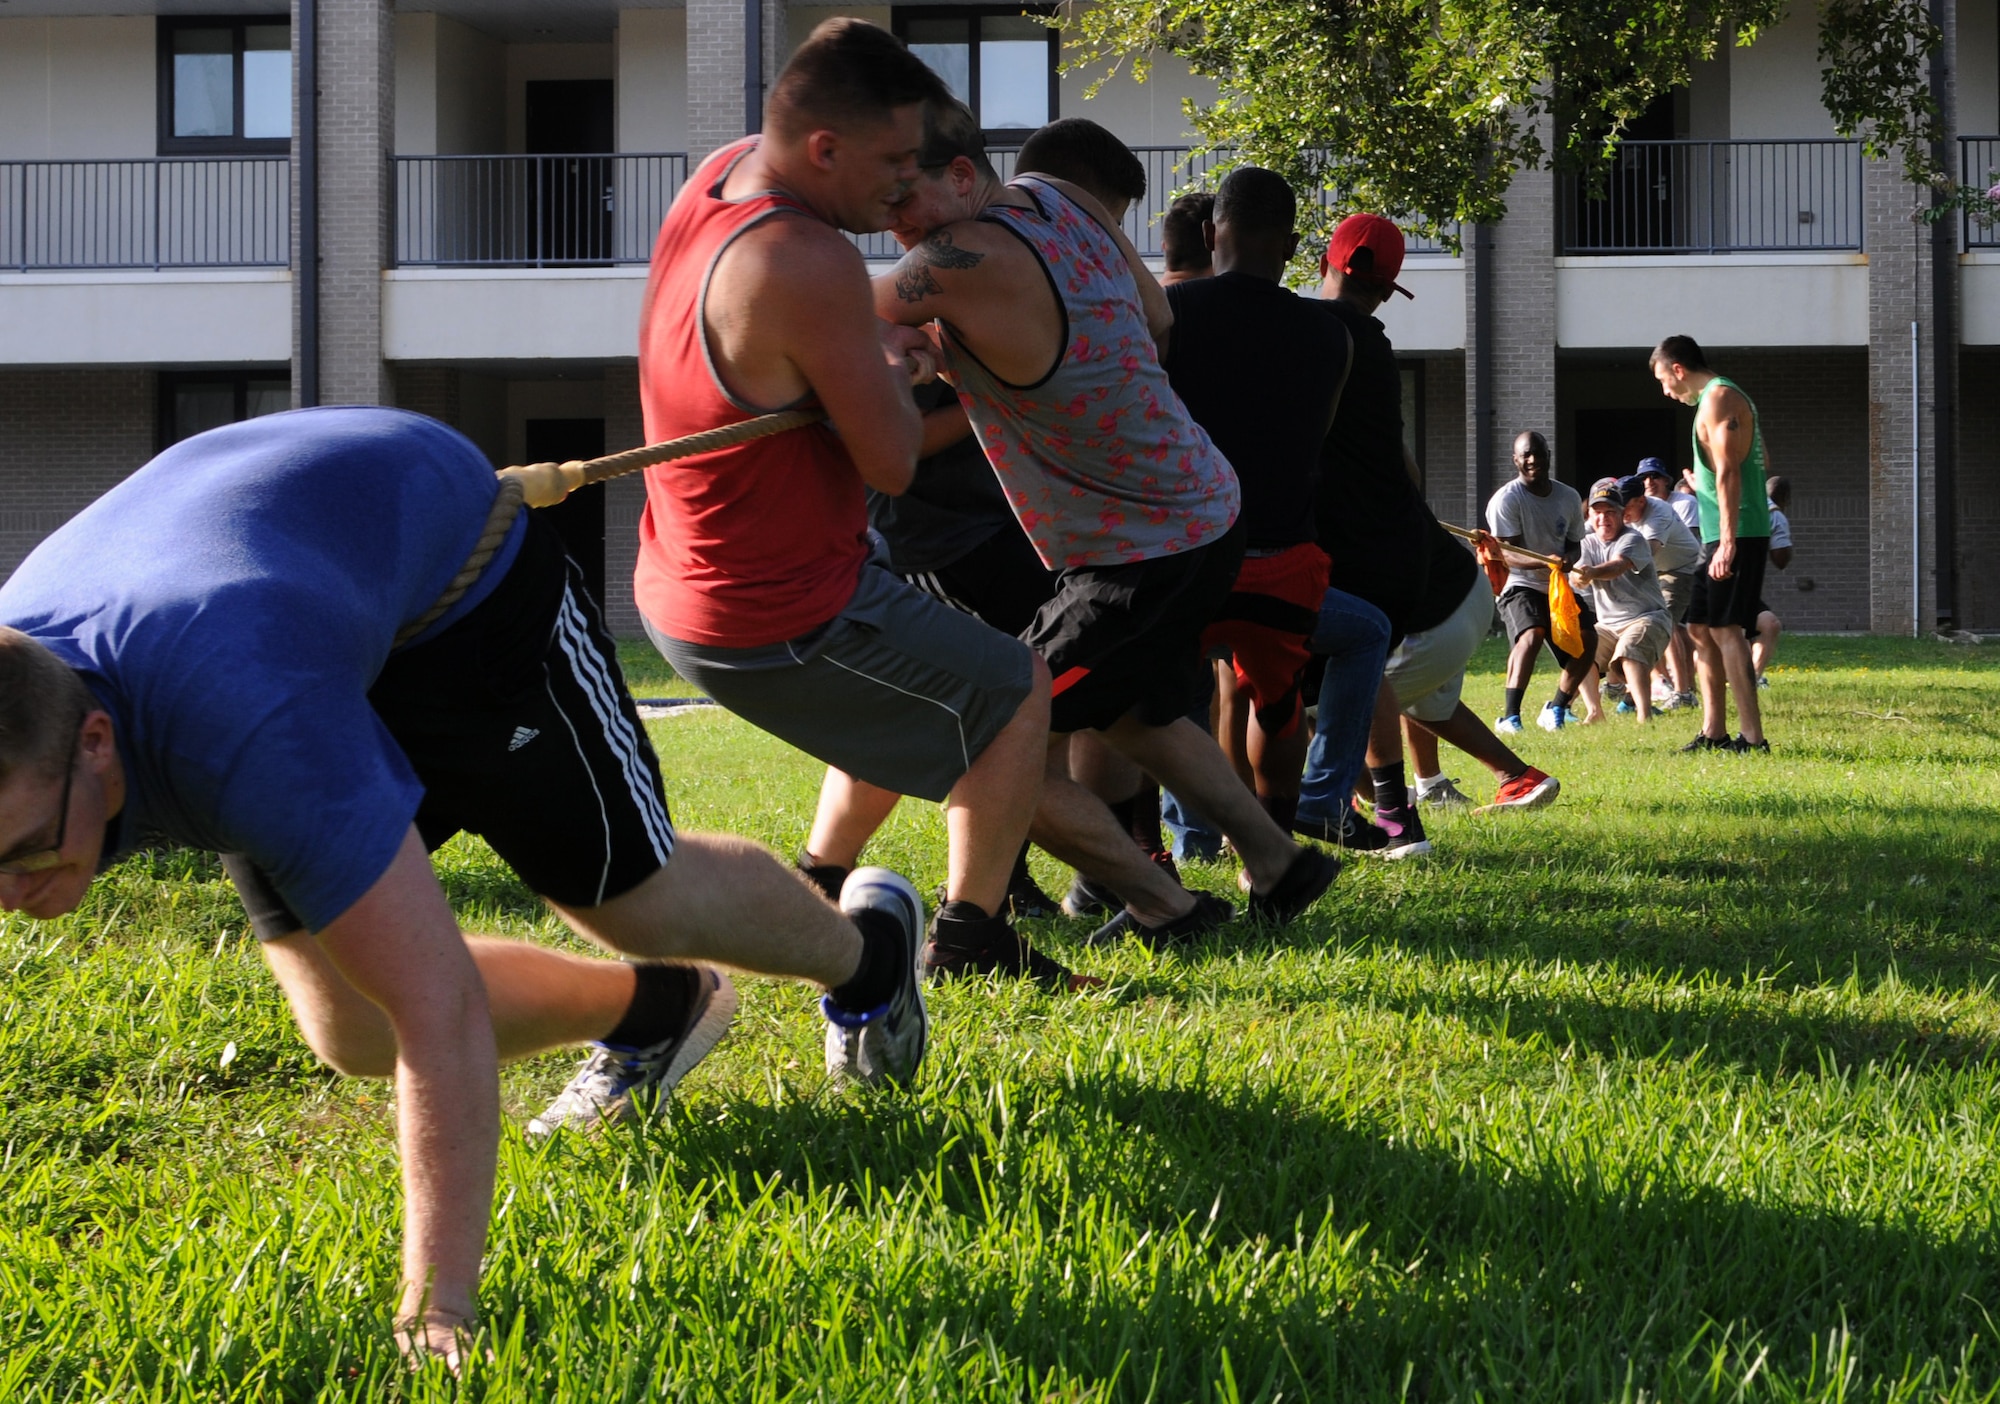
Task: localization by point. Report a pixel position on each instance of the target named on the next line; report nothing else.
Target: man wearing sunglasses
(210, 656)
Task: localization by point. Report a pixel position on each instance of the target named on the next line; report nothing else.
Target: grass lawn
(1680, 1089)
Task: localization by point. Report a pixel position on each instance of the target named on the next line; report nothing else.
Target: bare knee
(350, 1050)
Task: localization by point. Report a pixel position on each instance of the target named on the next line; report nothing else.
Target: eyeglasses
(42, 859)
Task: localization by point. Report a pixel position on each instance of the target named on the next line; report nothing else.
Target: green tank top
(1753, 512)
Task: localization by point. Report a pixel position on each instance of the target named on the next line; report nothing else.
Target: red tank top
(749, 545)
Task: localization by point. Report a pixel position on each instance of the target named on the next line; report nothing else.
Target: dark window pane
(201, 406)
(266, 397)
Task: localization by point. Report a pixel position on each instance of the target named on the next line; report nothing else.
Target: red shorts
(1264, 625)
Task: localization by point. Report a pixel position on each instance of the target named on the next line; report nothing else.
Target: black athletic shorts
(1128, 638)
(517, 721)
(1731, 603)
(1001, 581)
(1522, 609)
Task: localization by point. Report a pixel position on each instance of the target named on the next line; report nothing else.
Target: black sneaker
(1744, 748)
(1025, 898)
(1208, 914)
(1310, 875)
(1087, 899)
(827, 877)
(1353, 832)
(992, 947)
(1704, 742)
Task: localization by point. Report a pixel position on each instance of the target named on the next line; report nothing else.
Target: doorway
(569, 138)
(579, 518)
(1610, 442)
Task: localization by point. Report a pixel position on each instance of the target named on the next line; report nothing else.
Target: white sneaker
(603, 1091)
(884, 1044)
(1440, 792)
(1553, 718)
(1508, 725)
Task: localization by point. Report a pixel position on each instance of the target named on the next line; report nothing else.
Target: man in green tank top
(1729, 463)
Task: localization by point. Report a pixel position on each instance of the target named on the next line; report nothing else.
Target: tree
(1426, 108)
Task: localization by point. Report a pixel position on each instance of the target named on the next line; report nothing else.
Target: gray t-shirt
(1621, 599)
(1546, 525)
(1675, 547)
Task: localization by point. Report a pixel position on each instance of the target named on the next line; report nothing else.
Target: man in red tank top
(754, 574)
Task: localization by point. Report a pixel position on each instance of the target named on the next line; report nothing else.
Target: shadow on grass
(1329, 1254)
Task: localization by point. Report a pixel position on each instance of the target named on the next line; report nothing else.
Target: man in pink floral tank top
(1052, 328)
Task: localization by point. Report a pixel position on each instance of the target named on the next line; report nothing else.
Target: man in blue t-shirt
(212, 655)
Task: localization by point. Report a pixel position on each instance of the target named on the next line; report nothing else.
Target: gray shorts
(898, 689)
(1679, 589)
(1427, 670)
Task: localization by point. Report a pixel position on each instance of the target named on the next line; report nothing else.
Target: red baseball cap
(1367, 246)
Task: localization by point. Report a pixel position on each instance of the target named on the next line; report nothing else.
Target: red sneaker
(1527, 790)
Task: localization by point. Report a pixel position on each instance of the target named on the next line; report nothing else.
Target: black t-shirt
(1257, 366)
(1385, 544)
(953, 504)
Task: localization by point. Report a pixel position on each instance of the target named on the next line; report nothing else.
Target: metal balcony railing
(1168, 169)
(533, 211)
(1979, 166)
(146, 212)
(1719, 197)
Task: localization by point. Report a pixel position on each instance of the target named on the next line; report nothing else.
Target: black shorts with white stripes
(517, 721)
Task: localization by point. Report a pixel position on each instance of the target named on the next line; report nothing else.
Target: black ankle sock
(1283, 809)
(1390, 791)
(1145, 824)
(1124, 811)
(1021, 877)
(1512, 706)
(881, 969)
(1563, 699)
(827, 877)
(659, 1009)
(966, 926)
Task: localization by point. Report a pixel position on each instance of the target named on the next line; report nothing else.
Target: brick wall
(623, 500)
(357, 123)
(1523, 348)
(715, 69)
(1978, 489)
(71, 435)
(1446, 453)
(1815, 409)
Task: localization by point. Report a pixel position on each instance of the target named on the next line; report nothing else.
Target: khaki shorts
(1427, 670)
(1679, 589)
(1642, 640)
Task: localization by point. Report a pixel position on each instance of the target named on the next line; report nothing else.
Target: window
(225, 85)
(1001, 63)
(193, 402)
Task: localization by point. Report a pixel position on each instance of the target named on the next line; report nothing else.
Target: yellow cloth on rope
(1565, 630)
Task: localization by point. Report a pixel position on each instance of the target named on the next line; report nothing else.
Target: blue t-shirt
(231, 603)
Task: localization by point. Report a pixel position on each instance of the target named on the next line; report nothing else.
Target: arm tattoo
(939, 251)
(914, 281)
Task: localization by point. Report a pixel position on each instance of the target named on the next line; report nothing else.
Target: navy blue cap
(1649, 466)
(1633, 487)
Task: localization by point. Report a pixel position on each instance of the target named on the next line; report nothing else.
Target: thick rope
(545, 484)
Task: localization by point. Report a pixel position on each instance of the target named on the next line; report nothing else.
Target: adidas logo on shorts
(522, 736)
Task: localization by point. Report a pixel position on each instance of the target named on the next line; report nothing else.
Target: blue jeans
(1354, 637)
(1189, 835)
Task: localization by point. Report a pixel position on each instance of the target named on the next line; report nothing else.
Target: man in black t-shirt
(1387, 548)
(1260, 369)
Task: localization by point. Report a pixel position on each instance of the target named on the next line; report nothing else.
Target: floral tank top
(1099, 460)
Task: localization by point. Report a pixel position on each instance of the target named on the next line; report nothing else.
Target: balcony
(1719, 197)
(583, 211)
(1979, 166)
(152, 213)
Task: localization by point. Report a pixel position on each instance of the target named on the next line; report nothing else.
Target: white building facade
(475, 185)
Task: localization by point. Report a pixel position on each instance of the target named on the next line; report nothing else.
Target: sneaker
(1310, 875)
(1704, 742)
(1208, 914)
(1086, 899)
(1508, 725)
(1441, 792)
(1666, 701)
(1009, 954)
(1528, 790)
(612, 1078)
(1625, 707)
(1763, 681)
(1744, 748)
(1352, 832)
(1686, 699)
(886, 1043)
(1405, 831)
(1554, 717)
(1025, 898)
(1615, 689)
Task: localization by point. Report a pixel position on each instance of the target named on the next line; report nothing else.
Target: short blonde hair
(42, 703)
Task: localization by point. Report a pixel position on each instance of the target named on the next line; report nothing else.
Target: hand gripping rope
(1565, 618)
(546, 484)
